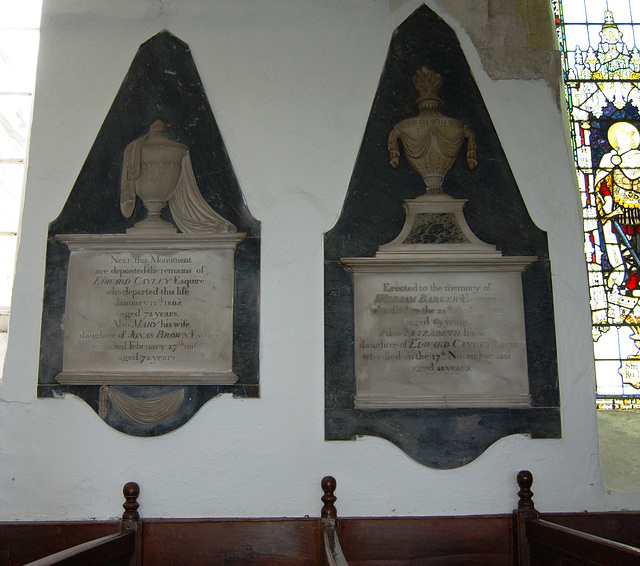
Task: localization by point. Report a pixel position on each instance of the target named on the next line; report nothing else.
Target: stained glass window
(601, 60)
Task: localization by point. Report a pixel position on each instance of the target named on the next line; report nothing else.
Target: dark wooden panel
(250, 542)
(482, 540)
(622, 527)
(572, 539)
(112, 550)
(23, 542)
(547, 557)
(575, 547)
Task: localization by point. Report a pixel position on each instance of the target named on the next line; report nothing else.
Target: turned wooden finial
(525, 481)
(131, 491)
(328, 485)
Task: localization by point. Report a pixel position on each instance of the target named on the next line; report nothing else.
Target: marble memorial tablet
(152, 285)
(149, 310)
(433, 339)
(439, 316)
(439, 330)
(153, 306)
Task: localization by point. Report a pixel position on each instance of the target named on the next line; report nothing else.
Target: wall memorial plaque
(435, 338)
(439, 332)
(443, 308)
(149, 310)
(153, 306)
(151, 295)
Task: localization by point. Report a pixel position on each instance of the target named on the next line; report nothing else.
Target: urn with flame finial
(431, 140)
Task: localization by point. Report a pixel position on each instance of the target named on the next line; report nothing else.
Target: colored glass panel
(601, 64)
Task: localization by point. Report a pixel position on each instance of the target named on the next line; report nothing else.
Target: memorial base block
(157, 378)
(149, 309)
(441, 402)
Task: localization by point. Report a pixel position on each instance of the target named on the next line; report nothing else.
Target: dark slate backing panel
(373, 215)
(162, 83)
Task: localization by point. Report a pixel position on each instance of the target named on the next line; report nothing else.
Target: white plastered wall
(291, 84)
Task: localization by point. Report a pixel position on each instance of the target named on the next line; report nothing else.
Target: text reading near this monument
(446, 335)
(138, 311)
(151, 320)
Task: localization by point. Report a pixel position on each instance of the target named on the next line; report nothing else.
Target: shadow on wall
(4, 337)
(620, 466)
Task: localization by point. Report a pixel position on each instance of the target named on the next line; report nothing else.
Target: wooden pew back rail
(116, 549)
(521, 539)
(541, 542)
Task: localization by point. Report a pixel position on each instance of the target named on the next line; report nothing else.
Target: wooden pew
(332, 551)
(245, 542)
(540, 542)
(426, 541)
(117, 549)
(556, 540)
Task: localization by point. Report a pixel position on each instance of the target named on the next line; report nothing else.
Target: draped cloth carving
(190, 211)
(431, 140)
(158, 170)
(418, 144)
(141, 411)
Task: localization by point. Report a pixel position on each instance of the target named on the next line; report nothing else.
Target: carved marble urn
(158, 170)
(431, 140)
(152, 168)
